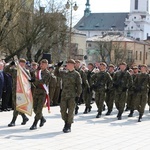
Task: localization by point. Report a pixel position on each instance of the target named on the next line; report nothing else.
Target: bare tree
(37, 33)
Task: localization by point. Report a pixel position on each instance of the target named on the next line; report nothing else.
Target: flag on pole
(24, 100)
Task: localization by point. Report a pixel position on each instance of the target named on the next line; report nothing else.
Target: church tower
(140, 6)
(138, 21)
(87, 9)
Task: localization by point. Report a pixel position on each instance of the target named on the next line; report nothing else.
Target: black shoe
(43, 120)
(140, 117)
(34, 126)
(98, 115)
(108, 113)
(126, 109)
(85, 111)
(90, 108)
(4, 109)
(130, 115)
(76, 110)
(24, 121)
(12, 124)
(104, 108)
(67, 129)
(119, 118)
(119, 115)
(65, 126)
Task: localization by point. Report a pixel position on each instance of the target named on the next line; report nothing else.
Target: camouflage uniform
(71, 88)
(131, 97)
(102, 81)
(110, 97)
(85, 88)
(57, 91)
(39, 93)
(141, 85)
(39, 79)
(52, 88)
(88, 93)
(12, 70)
(82, 96)
(122, 81)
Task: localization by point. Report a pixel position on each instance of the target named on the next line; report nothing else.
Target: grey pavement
(88, 132)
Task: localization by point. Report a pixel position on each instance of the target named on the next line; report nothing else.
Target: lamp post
(72, 6)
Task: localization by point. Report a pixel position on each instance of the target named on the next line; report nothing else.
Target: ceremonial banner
(24, 100)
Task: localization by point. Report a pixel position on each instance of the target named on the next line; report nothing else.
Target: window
(89, 45)
(146, 57)
(136, 4)
(136, 55)
(130, 55)
(140, 55)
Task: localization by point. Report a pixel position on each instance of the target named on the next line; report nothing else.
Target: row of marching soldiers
(121, 87)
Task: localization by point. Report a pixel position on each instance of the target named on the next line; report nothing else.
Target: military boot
(12, 123)
(108, 113)
(119, 116)
(65, 126)
(25, 119)
(90, 108)
(34, 125)
(86, 110)
(131, 113)
(104, 107)
(140, 117)
(42, 121)
(68, 128)
(76, 110)
(98, 115)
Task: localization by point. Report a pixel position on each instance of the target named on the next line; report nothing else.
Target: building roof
(115, 38)
(102, 21)
(110, 38)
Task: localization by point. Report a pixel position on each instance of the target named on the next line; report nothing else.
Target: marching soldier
(85, 85)
(88, 93)
(71, 90)
(141, 85)
(40, 80)
(122, 81)
(110, 94)
(12, 70)
(52, 86)
(102, 82)
(131, 92)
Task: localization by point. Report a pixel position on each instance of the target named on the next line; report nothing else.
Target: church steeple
(87, 9)
(141, 6)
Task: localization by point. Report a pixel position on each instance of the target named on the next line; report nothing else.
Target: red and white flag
(24, 100)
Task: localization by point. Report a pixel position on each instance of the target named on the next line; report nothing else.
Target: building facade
(135, 24)
(116, 48)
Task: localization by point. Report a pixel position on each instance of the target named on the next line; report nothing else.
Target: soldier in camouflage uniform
(122, 81)
(52, 86)
(88, 93)
(12, 70)
(110, 94)
(39, 93)
(141, 86)
(71, 88)
(131, 92)
(102, 81)
(85, 85)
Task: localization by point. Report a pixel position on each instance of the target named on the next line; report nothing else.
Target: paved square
(88, 132)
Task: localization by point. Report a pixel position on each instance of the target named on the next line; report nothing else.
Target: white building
(135, 23)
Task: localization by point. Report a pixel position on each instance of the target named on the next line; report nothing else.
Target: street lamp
(72, 6)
